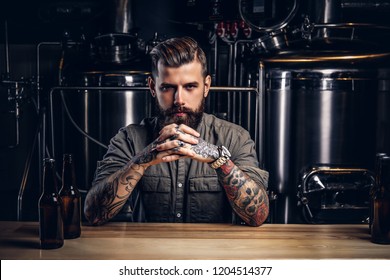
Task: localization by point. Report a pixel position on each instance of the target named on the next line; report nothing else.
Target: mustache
(192, 119)
(176, 110)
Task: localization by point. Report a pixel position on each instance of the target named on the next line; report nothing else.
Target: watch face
(225, 152)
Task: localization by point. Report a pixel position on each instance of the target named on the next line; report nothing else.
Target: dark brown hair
(176, 52)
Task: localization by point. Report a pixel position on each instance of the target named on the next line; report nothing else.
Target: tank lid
(324, 56)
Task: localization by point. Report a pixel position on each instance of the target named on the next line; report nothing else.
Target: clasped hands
(178, 141)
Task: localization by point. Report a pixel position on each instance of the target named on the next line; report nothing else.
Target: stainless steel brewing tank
(99, 112)
(320, 111)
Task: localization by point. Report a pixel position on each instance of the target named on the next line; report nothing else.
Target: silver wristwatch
(224, 156)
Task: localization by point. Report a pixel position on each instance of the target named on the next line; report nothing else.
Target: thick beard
(192, 118)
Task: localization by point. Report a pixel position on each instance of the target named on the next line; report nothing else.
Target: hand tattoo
(205, 149)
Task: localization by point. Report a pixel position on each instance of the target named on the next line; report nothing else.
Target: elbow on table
(92, 217)
(261, 215)
(258, 219)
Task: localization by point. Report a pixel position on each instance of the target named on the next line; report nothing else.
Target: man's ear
(152, 86)
(207, 85)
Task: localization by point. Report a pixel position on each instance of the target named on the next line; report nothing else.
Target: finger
(171, 157)
(187, 138)
(180, 143)
(167, 131)
(184, 151)
(170, 128)
(186, 129)
(175, 136)
(174, 130)
(172, 145)
(169, 141)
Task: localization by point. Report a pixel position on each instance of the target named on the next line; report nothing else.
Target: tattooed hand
(204, 151)
(177, 141)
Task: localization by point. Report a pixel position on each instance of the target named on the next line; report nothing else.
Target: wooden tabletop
(166, 241)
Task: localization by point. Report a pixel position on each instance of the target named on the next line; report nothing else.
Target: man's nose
(179, 94)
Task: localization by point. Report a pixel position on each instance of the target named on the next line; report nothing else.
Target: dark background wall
(27, 26)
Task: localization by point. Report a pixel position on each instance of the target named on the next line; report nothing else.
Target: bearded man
(183, 165)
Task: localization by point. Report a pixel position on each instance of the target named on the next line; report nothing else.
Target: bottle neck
(378, 166)
(49, 178)
(384, 175)
(68, 174)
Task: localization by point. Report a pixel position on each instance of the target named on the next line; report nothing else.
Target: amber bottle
(380, 228)
(71, 199)
(50, 217)
(374, 188)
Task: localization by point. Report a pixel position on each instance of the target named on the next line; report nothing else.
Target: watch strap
(224, 156)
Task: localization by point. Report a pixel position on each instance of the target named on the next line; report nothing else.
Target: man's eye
(189, 87)
(165, 89)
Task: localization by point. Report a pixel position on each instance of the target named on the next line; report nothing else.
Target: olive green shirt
(184, 190)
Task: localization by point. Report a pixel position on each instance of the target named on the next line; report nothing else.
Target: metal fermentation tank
(323, 83)
(99, 113)
(321, 115)
(103, 88)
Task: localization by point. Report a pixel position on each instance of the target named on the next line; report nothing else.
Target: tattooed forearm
(205, 149)
(107, 198)
(147, 155)
(249, 200)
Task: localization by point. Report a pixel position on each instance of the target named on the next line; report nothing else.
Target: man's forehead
(193, 67)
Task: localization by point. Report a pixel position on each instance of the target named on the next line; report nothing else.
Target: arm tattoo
(107, 198)
(205, 149)
(148, 154)
(249, 200)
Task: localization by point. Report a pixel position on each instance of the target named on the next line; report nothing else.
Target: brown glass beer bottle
(50, 217)
(71, 199)
(374, 188)
(380, 228)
